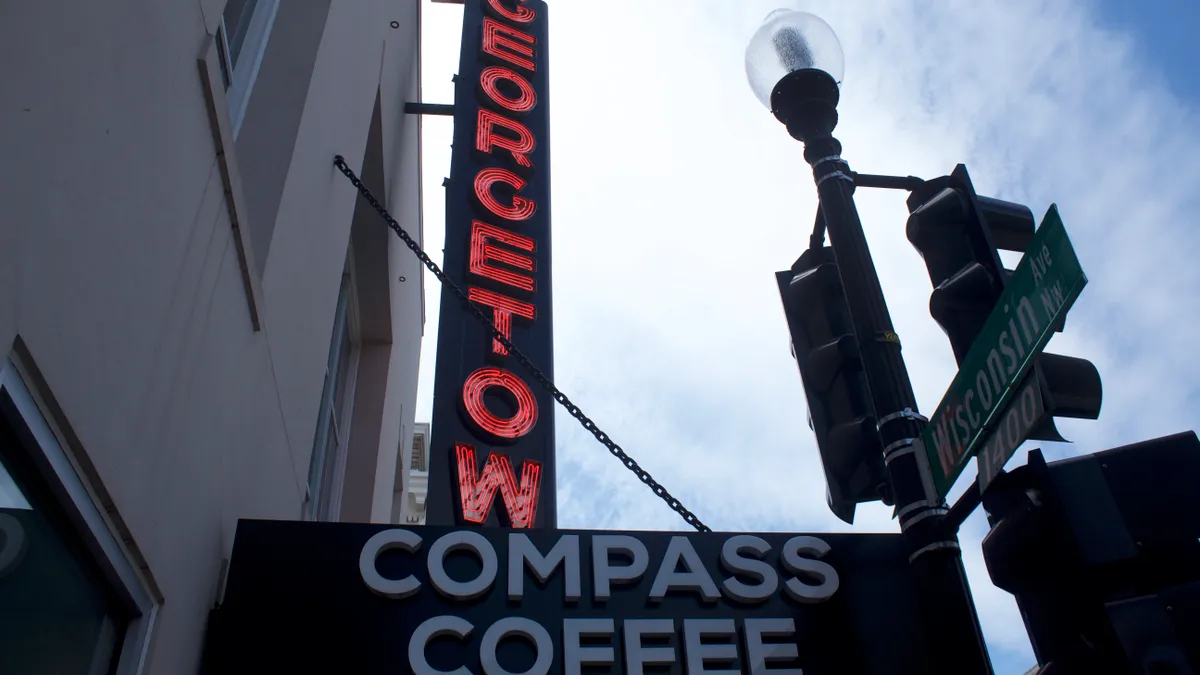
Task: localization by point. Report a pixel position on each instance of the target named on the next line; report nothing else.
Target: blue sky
(676, 196)
(1165, 31)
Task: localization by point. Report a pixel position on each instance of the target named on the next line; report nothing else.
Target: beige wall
(119, 273)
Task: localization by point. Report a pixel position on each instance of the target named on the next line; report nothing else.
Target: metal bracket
(412, 108)
(868, 180)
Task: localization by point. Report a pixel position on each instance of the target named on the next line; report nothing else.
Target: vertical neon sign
(492, 459)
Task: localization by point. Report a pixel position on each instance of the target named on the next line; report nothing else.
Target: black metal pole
(952, 625)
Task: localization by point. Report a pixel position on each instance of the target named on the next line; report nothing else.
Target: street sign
(1028, 409)
(1036, 298)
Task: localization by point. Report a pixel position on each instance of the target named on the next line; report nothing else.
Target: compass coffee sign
(379, 599)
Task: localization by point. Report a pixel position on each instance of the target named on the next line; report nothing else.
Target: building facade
(201, 320)
(412, 479)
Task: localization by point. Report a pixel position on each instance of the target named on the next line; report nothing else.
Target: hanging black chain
(573, 409)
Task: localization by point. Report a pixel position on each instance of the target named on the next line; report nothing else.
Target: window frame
(98, 532)
(319, 506)
(240, 77)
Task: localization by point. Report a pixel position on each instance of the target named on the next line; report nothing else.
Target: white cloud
(676, 197)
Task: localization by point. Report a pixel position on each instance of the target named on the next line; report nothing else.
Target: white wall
(118, 269)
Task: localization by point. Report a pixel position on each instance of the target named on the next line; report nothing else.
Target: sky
(676, 196)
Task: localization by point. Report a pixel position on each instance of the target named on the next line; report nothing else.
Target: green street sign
(1025, 411)
(1039, 293)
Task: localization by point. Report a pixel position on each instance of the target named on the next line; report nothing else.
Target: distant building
(200, 319)
(412, 480)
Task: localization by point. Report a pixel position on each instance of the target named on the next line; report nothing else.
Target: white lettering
(462, 540)
(762, 572)
(941, 443)
(604, 572)
(638, 656)
(522, 552)
(575, 655)
(694, 579)
(1012, 427)
(516, 626)
(387, 540)
(984, 389)
(696, 652)
(960, 441)
(430, 630)
(794, 560)
(759, 654)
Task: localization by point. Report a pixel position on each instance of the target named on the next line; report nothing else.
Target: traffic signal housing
(1102, 554)
(841, 414)
(958, 232)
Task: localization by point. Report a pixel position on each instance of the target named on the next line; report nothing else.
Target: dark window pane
(57, 613)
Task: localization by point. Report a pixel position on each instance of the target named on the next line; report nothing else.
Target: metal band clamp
(907, 413)
(938, 511)
(935, 546)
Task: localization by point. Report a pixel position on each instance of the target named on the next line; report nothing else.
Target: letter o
(520, 423)
(516, 625)
(521, 209)
(428, 631)
(1028, 405)
(462, 541)
(489, 81)
(405, 540)
(1013, 428)
(12, 549)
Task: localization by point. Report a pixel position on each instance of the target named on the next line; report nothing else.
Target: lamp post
(794, 63)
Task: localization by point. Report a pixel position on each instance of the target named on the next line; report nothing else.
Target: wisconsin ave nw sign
(335, 598)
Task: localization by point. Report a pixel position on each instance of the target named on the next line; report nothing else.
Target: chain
(541, 378)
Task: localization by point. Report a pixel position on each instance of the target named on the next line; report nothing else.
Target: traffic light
(1101, 553)
(958, 233)
(839, 404)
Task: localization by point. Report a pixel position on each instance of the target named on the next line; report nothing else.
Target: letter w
(477, 492)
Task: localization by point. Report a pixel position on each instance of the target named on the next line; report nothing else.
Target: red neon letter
(489, 80)
(522, 15)
(498, 45)
(521, 208)
(503, 308)
(487, 377)
(486, 139)
(482, 253)
(476, 493)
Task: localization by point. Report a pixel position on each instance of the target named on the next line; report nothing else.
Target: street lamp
(794, 63)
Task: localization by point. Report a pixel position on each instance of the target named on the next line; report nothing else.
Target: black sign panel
(379, 599)
(492, 447)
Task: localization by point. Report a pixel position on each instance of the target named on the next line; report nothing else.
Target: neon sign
(492, 459)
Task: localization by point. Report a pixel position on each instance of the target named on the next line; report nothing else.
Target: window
(242, 39)
(71, 602)
(418, 452)
(328, 463)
